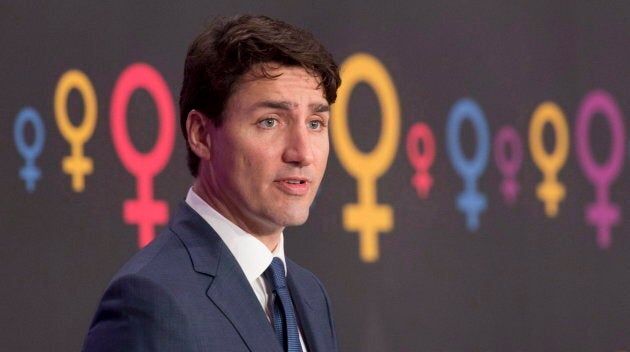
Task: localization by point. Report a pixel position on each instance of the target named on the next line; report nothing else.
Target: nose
(298, 149)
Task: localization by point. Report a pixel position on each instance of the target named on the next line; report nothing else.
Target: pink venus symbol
(602, 214)
(507, 138)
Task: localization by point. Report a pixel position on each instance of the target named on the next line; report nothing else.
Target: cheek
(322, 150)
(257, 161)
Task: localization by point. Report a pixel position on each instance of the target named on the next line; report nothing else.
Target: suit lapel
(313, 316)
(229, 289)
(233, 294)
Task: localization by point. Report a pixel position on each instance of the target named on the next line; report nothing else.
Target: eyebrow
(286, 105)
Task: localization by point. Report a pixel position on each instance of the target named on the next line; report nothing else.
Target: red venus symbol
(144, 210)
(421, 162)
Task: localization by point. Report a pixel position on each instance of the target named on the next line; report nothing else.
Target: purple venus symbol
(507, 138)
(602, 214)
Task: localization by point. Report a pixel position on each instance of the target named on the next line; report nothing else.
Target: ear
(198, 131)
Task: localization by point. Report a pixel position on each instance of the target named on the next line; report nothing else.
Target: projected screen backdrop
(476, 197)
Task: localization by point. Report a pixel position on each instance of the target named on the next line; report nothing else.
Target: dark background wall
(520, 280)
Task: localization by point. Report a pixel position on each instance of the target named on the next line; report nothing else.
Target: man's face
(268, 157)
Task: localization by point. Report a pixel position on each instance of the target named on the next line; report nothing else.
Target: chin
(295, 218)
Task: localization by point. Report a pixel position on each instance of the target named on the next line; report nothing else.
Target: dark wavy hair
(229, 47)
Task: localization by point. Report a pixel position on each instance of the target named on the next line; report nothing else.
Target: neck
(270, 237)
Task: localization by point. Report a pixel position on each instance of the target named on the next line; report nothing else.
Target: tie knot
(275, 274)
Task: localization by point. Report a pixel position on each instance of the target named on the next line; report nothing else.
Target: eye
(268, 123)
(315, 124)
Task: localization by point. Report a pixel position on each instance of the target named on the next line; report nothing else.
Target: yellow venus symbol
(550, 191)
(367, 217)
(76, 164)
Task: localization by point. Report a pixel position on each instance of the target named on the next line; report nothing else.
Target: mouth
(295, 186)
(295, 182)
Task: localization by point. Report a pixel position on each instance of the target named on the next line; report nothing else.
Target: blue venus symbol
(29, 172)
(470, 202)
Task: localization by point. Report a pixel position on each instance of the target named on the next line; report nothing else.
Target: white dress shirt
(250, 253)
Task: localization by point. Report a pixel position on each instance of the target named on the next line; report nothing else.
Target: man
(254, 110)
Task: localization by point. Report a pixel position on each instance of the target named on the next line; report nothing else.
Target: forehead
(275, 79)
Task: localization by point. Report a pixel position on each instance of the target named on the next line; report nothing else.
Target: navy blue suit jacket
(186, 292)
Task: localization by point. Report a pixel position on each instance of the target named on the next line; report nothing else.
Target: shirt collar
(251, 254)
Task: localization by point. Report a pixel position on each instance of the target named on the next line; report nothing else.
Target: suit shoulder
(297, 269)
(137, 314)
(157, 255)
(305, 276)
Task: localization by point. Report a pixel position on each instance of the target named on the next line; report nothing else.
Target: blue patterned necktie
(284, 320)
